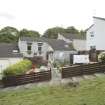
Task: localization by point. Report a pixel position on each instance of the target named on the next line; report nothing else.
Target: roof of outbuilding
(54, 43)
(73, 36)
(6, 51)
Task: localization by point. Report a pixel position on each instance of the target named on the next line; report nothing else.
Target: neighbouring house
(78, 41)
(95, 35)
(49, 49)
(9, 54)
(61, 49)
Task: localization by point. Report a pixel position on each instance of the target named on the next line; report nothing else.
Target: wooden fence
(26, 78)
(78, 70)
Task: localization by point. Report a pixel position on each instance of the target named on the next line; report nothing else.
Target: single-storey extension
(9, 54)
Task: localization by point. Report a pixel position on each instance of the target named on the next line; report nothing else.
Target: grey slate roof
(99, 18)
(60, 45)
(6, 51)
(73, 36)
(29, 39)
(54, 43)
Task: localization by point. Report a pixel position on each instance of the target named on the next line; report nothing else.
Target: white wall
(23, 49)
(14, 60)
(5, 62)
(90, 41)
(99, 35)
(79, 45)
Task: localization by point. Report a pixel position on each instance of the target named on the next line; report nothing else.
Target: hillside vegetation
(10, 34)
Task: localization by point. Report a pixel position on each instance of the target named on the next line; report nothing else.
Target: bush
(101, 57)
(59, 63)
(18, 68)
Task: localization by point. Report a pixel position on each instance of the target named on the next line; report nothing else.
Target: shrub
(55, 64)
(59, 63)
(18, 68)
(101, 57)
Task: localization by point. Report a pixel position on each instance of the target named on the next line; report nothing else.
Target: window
(40, 47)
(15, 51)
(35, 54)
(92, 47)
(66, 45)
(29, 47)
(92, 34)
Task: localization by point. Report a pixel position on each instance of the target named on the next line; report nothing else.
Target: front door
(47, 56)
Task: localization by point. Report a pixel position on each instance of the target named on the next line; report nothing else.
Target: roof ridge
(73, 36)
(89, 27)
(99, 18)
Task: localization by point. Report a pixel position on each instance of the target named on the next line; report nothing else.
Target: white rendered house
(48, 49)
(95, 35)
(9, 55)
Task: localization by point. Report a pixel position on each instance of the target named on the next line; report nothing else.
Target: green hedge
(18, 68)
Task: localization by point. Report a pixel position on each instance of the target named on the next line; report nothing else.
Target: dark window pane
(28, 47)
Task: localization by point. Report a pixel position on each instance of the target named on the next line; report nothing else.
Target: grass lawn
(89, 92)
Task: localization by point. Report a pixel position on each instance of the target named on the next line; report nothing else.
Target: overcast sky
(40, 15)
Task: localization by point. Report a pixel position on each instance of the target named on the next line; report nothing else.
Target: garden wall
(26, 78)
(85, 69)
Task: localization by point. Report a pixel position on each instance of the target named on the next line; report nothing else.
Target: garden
(88, 92)
(17, 69)
(25, 72)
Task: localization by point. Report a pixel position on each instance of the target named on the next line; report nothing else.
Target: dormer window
(66, 45)
(15, 51)
(92, 47)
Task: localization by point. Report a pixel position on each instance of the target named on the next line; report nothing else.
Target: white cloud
(42, 14)
(6, 16)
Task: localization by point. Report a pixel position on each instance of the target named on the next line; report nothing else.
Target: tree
(9, 34)
(72, 30)
(29, 33)
(9, 30)
(82, 32)
(101, 57)
(53, 32)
